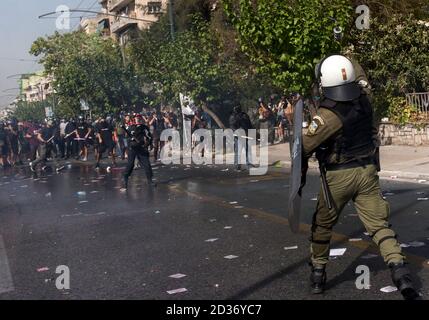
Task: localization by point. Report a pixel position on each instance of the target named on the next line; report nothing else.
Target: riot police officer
(342, 135)
(45, 138)
(139, 142)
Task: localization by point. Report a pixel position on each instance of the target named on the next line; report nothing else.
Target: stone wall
(392, 134)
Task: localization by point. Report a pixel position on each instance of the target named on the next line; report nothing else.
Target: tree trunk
(214, 116)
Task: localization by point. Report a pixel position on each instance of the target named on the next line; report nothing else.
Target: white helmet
(337, 77)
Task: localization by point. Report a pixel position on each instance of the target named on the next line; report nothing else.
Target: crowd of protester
(25, 142)
(22, 142)
(273, 116)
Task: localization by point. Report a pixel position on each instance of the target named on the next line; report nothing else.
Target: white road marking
(6, 283)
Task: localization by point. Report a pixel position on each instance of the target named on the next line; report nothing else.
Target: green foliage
(30, 111)
(395, 56)
(286, 39)
(195, 64)
(401, 113)
(87, 67)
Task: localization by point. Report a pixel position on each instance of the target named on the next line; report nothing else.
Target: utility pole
(170, 4)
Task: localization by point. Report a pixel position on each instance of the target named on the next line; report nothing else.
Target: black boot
(318, 279)
(401, 277)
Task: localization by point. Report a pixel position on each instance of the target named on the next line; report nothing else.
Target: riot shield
(294, 205)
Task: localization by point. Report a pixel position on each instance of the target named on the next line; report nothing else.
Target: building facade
(128, 15)
(36, 87)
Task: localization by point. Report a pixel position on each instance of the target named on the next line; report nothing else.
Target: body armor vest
(355, 140)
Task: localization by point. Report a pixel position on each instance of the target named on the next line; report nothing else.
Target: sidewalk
(397, 162)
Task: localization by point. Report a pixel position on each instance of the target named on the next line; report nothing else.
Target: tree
(395, 55)
(285, 39)
(87, 67)
(30, 111)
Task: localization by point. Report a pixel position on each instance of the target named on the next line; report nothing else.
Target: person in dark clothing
(4, 147)
(70, 135)
(12, 135)
(45, 137)
(156, 123)
(31, 133)
(82, 133)
(24, 146)
(105, 142)
(139, 141)
(240, 120)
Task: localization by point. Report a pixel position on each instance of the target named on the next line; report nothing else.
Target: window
(154, 7)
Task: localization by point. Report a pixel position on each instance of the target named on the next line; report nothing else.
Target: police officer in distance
(139, 142)
(342, 136)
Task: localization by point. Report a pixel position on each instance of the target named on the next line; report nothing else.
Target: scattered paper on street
(43, 269)
(389, 289)
(180, 290)
(416, 244)
(230, 257)
(337, 252)
(291, 248)
(177, 276)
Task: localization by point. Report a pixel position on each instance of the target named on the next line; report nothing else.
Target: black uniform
(240, 120)
(82, 131)
(4, 148)
(139, 142)
(106, 134)
(47, 134)
(70, 128)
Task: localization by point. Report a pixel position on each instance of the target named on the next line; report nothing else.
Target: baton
(68, 135)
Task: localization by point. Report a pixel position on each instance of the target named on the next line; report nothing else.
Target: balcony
(123, 22)
(116, 5)
(102, 17)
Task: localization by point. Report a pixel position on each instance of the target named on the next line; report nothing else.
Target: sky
(19, 27)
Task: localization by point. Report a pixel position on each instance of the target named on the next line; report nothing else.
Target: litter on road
(291, 248)
(180, 290)
(177, 276)
(389, 289)
(212, 240)
(43, 269)
(416, 244)
(337, 252)
(228, 227)
(230, 257)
